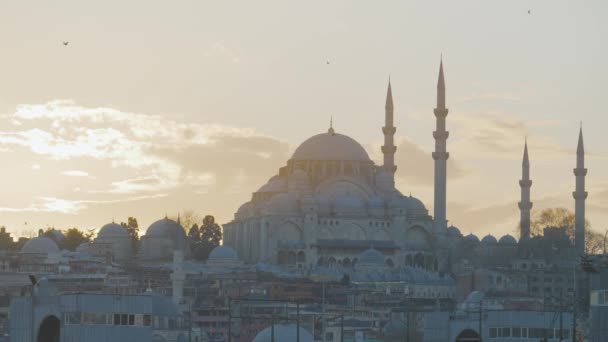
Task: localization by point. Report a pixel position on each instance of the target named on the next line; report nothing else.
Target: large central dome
(330, 146)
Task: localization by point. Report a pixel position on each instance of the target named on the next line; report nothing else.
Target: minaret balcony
(525, 205)
(441, 135)
(389, 149)
(441, 155)
(525, 183)
(579, 195)
(441, 112)
(580, 171)
(389, 130)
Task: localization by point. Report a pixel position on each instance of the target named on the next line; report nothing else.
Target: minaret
(525, 205)
(579, 196)
(440, 155)
(389, 148)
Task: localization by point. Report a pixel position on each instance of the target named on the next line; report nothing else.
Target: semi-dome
(376, 202)
(347, 204)
(283, 332)
(112, 230)
(472, 237)
(454, 231)
(330, 146)
(507, 240)
(275, 184)
(40, 245)
(371, 256)
(165, 228)
(244, 210)
(489, 239)
(223, 253)
(283, 203)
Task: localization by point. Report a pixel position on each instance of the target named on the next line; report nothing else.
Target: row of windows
(108, 319)
(524, 332)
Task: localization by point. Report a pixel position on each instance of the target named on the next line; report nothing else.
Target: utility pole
(298, 321)
(342, 328)
(561, 320)
(272, 327)
(229, 320)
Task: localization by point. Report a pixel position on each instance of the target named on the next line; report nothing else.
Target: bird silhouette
(65, 43)
(326, 62)
(529, 11)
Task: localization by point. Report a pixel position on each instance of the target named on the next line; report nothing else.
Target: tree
(6, 241)
(19, 244)
(194, 233)
(211, 235)
(133, 228)
(74, 237)
(564, 218)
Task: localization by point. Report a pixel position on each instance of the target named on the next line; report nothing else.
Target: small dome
(475, 297)
(57, 235)
(244, 210)
(489, 239)
(371, 256)
(275, 184)
(283, 203)
(164, 228)
(507, 240)
(223, 253)
(85, 247)
(283, 332)
(406, 202)
(40, 245)
(472, 237)
(113, 230)
(454, 231)
(330, 146)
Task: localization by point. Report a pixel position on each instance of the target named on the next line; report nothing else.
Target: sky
(155, 108)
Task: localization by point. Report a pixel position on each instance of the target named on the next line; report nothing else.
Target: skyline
(105, 154)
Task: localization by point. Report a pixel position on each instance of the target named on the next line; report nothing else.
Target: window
(516, 332)
(73, 318)
(506, 332)
(601, 297)
(116, 319)
(329, 336)
(493, 333)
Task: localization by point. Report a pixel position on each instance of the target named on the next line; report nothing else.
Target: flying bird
(65, 43)
(529, 11)
(327, 62)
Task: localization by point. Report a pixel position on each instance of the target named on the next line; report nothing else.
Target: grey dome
(244, 210)
(489, 239)
(454, 231)
(330, 146)
(507, 240)
(406, 202)
(113, 230)
(224, 253)
(283, 333)
(40, 245)
(371, 256)
(472, 237)
(165, 228)
(85, 247)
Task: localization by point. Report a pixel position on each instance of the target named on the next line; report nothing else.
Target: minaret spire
(440, 155)
(525, 205)
(331, 126)
(579, 196)
(389, 148)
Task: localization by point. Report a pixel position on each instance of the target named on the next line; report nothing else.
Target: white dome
(113, 230)
(407, 202)
(472, 237)
(165, 228)
(40, 245)
(330, 146)
(85, 247)
(223, 253)
(245, 210)
(283, 333)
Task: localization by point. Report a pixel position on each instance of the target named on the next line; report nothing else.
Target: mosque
(331, 204)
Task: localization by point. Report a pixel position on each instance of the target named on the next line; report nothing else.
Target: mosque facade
(330, 203)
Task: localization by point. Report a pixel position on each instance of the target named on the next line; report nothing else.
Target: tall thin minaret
(579, 196)
(525, 205)
(389, 148)
(440, 155)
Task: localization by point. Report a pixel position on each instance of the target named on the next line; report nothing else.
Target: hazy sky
(158, 107)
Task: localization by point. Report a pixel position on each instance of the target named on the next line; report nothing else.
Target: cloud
(512, 95)
(75, 173)
(417, 166)
(65, 206)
